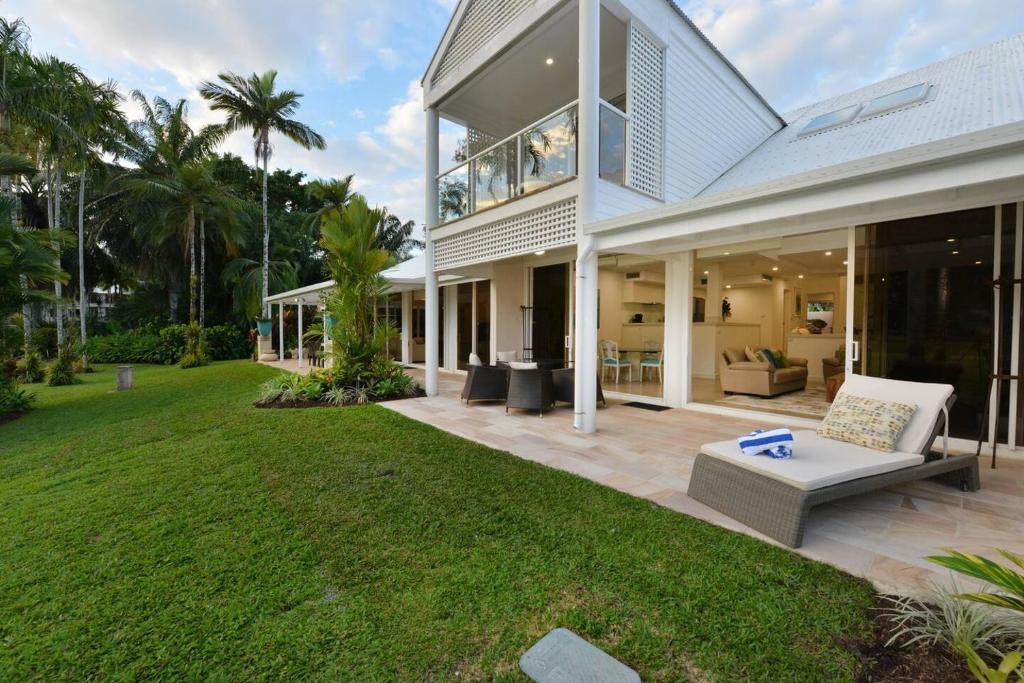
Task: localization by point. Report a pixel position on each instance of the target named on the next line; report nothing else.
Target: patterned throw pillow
(751, 356)
(769, 357)
(866, 421)
(781, 359)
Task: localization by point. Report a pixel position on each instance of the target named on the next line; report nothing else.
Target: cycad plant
(349, 239)
(1009, 597)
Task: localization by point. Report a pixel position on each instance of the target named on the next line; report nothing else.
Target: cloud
(339, 39)
(797, 52)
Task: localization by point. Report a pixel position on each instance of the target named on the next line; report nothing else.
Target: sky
(359, 62)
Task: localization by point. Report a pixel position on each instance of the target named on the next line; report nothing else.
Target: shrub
(166, 345)
(228, 342)
(30, 367)
(62, 370)
(195, 347)
(13, 399)
(44, 339)
(949, 621)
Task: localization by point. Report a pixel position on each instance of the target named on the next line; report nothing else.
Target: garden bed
(416, 392)
(894, 663)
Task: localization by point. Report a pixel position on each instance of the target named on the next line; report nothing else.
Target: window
(895, 100)
(831, 119)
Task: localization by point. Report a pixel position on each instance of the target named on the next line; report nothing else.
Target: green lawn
(177, 532)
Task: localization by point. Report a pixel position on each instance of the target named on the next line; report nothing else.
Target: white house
(618, 180)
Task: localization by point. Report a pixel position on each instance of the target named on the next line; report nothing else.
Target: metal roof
(406, 276)
(971, 92)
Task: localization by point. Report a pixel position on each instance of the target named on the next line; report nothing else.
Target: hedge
(166, 346)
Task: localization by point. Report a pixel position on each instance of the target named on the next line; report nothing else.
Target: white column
(406, 328)
(588, 142)
(678, 344)
(451, 326)
(280, 331)
(430, 281)
(298, 348)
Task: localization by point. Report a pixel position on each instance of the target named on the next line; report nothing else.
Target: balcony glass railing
(536, 157)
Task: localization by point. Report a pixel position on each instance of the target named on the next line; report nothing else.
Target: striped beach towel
(775, 443)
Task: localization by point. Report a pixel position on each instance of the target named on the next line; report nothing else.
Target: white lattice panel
(481, 21)
(544, 228)
(646, 113)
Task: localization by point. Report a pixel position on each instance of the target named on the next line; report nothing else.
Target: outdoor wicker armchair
(530, 390)
(485, 383)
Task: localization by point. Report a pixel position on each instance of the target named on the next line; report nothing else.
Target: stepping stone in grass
(563, 657)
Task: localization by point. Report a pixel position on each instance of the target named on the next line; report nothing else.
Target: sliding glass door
(923, 306)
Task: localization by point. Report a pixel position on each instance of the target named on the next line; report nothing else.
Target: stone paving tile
(882, 536)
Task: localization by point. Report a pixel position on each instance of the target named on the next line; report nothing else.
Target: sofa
(741, 376)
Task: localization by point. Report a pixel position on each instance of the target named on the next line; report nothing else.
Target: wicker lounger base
(780, 511)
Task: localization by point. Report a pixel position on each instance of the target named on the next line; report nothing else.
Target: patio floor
(881, 536)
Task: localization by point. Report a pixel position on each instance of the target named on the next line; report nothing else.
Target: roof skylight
(831, 119)
(895, 100)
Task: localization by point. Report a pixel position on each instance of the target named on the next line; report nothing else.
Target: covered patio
(882, 536)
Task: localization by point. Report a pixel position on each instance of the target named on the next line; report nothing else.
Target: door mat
(646, 406)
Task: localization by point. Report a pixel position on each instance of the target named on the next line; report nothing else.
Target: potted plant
(264, 326)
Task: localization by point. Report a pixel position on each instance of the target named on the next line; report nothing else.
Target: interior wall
(612, 314)
(753, 306)
(507, 287)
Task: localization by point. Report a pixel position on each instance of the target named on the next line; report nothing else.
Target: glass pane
(464, 323)
(453, 193)
(549, 152)
(612, 164)
(494, 176)
(483, 320)
(923, 306)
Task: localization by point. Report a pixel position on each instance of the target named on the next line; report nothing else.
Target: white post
(677, 344)
(280, 331)
(406, 328)
(430, 279)
(588, 143)
(299, 347)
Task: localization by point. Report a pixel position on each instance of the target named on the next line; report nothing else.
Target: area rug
(807, 403)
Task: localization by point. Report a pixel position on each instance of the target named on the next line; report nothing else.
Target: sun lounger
(776, 496)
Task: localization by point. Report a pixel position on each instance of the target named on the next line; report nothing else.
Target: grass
(177, 532)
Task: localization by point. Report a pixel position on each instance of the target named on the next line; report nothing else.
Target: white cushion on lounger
(817, 462)
(929, 399)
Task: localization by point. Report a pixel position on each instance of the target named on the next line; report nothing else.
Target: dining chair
(610, 359)
(654, 359)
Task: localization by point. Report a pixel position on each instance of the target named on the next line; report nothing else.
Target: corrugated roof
(970, 92)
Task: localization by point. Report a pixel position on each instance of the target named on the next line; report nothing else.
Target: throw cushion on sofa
(766, 356)
(780, 357)
(866, 421)
(520, 365)
(735, 355)
(751, 356)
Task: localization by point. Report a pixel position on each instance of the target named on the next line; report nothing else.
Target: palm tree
(27, 262)
(349, 240)
(171, 168)
(100, 124)
(333, 195)
(48, 107)
(395, 237)
(253, 104)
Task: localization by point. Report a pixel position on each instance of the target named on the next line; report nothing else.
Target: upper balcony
(510, 131)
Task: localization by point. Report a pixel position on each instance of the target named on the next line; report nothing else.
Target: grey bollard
(125, 377)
